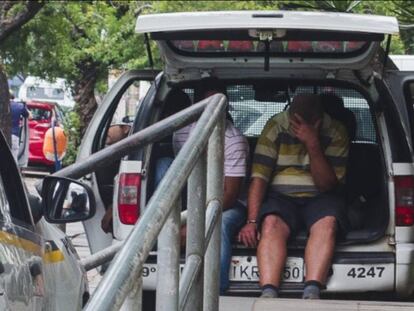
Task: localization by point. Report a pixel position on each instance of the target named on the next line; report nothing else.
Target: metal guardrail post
(212, 216)
(152, 133)
(127, 265)
(215, 187)
(168, 262)
(196, 209)
(101, 257)
(188, 277)
(106, 254)
(134, 298)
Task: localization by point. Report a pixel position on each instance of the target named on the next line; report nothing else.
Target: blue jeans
(161, 167)
(232, 221)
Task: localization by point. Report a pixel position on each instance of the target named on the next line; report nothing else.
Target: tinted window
(4, 203)
(257, 47)
(45, 92)
(39, 114)
(12, 191)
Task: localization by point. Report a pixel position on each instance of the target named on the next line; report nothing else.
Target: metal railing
(203, 167)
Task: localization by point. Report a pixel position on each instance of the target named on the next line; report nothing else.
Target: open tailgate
(266, 39)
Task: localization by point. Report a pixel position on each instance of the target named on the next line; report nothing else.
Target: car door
(120, 104)
(22, 282)
(401, 87)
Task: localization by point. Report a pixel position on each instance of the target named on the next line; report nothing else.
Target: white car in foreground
(39, 268)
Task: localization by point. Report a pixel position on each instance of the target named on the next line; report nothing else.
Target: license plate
(244, 268)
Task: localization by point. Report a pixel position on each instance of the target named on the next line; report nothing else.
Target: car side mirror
(66, 200)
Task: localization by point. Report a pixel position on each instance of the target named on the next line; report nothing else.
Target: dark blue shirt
(18, 110)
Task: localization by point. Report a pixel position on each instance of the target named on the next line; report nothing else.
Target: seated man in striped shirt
(299, 162)
(236, 150)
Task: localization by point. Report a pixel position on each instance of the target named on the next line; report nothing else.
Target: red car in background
(42, 116)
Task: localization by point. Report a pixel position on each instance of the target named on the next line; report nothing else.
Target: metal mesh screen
(250, 115)
(354, 101)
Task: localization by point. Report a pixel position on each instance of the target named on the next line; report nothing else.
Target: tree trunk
(84, 93)
(5, 116)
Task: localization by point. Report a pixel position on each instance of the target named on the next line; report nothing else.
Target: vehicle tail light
(404, 200)
(128, 197)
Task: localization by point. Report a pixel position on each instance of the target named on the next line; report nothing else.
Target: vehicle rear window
(250, 115)
(38, 114)
(45, 93)
(257, 48)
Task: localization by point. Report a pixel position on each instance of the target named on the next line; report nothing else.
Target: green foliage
(63, 36)
(404, 10)
(71, 125)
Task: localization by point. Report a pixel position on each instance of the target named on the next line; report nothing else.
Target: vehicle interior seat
(334, 107)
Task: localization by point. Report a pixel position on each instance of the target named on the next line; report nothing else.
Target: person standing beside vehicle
(116, 132)
(299, 163)
(236, 151)
(18, 111)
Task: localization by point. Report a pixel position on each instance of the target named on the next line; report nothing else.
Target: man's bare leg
(320, 249)
(271, 252)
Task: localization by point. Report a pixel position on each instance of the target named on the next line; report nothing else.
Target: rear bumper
(352, 272)
(404, 271)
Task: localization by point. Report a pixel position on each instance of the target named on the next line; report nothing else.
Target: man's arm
(322, 172)
(232, 186)
(265, 156)
(257, 191)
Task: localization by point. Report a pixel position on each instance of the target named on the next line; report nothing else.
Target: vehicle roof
(32, 80)
(39, 104)
(328, 21)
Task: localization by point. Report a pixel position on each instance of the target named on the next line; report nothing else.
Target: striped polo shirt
(282, 160)
(236, 148)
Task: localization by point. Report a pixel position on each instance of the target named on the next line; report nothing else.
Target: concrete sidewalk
(280, 304)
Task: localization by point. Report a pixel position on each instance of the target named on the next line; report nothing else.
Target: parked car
(39, 268)
(377, 255)
(43, 114)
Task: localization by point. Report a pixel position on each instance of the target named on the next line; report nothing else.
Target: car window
(129, 102)
(4, 204)
(258, 47)
(13, 194)
(39, 114)
(408, 88)
(45, 92)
